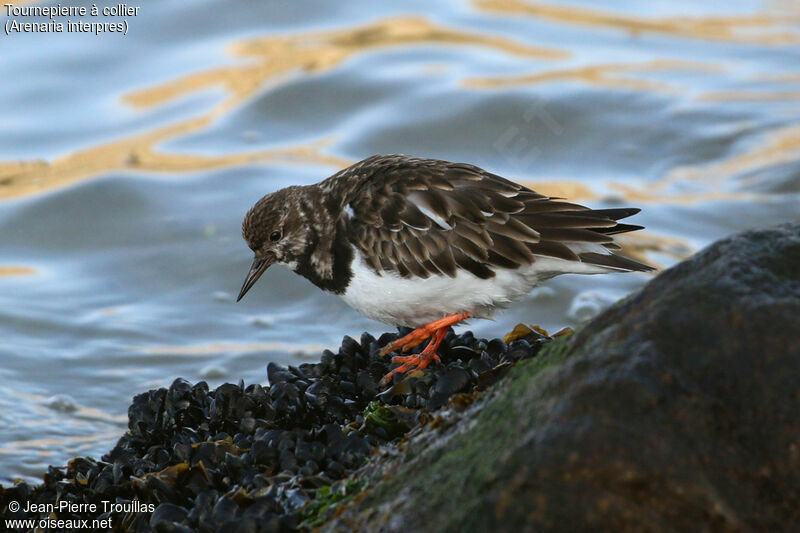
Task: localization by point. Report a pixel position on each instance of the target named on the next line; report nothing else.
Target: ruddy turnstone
(428, 243)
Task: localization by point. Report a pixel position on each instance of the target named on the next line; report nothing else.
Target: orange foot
(437, 329)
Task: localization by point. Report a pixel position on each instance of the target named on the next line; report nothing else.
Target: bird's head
(273, 229)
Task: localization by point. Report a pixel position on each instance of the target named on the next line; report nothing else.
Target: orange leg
(437, 329)
(422, 333)
(419, 361)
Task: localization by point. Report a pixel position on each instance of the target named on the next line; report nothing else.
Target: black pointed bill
(260, 264)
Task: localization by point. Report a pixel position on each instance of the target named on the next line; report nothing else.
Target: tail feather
(619, 228)
(583, 234)
(616, 213)
(614, 261)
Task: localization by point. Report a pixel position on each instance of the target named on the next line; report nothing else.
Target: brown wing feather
(422, 216)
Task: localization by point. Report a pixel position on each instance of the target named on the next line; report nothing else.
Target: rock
(678, 409)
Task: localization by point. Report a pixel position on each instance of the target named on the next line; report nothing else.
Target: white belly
(398, 301)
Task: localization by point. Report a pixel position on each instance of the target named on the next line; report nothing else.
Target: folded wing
(420, 217)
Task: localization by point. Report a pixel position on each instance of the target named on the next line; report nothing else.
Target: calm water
(127, 163)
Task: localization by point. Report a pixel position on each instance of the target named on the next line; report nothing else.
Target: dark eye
(275, 236)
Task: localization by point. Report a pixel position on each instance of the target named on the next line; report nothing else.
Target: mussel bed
(267, 458)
